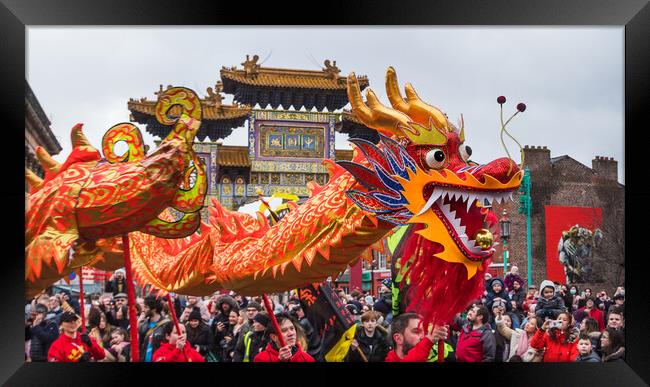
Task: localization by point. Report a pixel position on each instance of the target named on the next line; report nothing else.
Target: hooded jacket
(558, 350)
(222, 316)
(548, 307)
(474, 345)
(491, 295)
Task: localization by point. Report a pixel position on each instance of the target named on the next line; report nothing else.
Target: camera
(556, 324)
(84, 357)
(293, 311)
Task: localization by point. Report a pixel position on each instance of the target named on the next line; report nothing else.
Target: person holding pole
(411, 342)
(369, 344)
(175, 347)
(285, 347)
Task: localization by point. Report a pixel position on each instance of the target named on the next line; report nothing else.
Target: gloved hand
(86, 339)
(84, 357)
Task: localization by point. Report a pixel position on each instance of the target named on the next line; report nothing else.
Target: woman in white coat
(518, 338)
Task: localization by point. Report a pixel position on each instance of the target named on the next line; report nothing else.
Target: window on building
(379, 261)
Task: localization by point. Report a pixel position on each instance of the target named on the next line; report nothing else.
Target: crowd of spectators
(549, 323)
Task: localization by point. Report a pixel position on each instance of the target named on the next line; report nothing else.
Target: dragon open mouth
(460, 214)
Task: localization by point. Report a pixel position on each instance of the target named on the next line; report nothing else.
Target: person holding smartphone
(558, 338)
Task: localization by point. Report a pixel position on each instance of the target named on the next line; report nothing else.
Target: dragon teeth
(469, 203)
(429, 203)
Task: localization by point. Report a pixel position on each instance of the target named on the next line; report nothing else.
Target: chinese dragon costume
(418, 175)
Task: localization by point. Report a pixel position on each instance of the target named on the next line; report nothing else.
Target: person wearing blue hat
(496, 289)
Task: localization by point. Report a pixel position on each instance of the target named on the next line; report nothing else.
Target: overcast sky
(571, 79)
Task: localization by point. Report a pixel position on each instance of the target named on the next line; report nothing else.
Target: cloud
(570, 78)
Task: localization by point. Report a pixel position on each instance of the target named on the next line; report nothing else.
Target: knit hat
(121, 271)
(546, 284)
(495, 281)
(619, 297)
(262, 319)
(194, 315)
(120, 295)
(387, 282)
(254, 304)
(353, 309)
(498, 302)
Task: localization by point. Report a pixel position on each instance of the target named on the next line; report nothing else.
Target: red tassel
(438, 289)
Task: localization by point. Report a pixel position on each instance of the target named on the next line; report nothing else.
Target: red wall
(561, 218)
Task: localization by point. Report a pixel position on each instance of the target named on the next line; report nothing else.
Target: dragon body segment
(247, 255)
(76, 215)
(420, 175)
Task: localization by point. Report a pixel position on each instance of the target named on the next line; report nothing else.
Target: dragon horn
(392, 90)
(418, 110)
(77, 137)
(34, 181)
(421, 111)
(375, 115)
(461, 132)
(46, 161)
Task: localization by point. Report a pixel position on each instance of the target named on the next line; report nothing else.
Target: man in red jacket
(175, 348)
(291, 352)
(71, 346)
(476, 342)
(411, 343)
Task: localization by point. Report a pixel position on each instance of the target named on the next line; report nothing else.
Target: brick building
(563, 181)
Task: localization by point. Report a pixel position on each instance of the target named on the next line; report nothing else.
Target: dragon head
(420, 174)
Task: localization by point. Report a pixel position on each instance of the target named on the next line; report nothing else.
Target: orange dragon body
(77, 213)
(419, 175)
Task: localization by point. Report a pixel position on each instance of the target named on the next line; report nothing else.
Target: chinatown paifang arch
(115, 211)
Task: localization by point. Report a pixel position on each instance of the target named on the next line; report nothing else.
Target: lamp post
(524, 208)
(504, 227)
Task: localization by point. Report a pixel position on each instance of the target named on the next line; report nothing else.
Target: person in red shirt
(560, 344)
(291, 352)
(71, 346)
(595, 313)
(411, 343)
(175, 348)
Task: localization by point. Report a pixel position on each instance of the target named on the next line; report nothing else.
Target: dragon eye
(465, 152)
(435, 158)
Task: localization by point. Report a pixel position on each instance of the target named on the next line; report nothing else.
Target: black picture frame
(15, 15)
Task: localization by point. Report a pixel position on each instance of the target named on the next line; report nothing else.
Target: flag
(398, 269)
(329, 317)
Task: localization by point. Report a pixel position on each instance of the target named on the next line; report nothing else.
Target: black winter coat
(200, 336)
(549, 308)
(374, 348)
(42, 335)
(259, 341)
